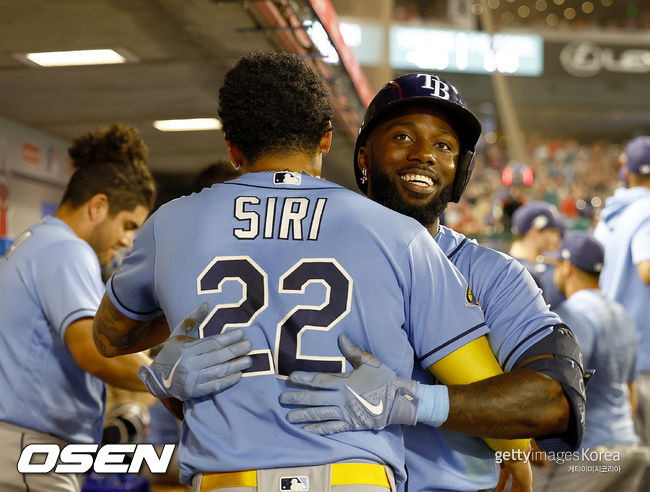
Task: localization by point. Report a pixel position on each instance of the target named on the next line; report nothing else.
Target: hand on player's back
(187, 367)
(372, 396)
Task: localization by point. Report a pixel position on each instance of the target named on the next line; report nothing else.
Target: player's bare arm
(117, 334)
(518, 473)
(120, 372)
(644, 271)
(521, 403)
(174, 406)
(481, 400)
(517, 404)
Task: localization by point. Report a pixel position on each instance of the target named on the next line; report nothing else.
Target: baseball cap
(637, 153)
(582, 250)
(535, 215)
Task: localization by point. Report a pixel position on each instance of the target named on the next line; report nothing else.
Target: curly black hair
(112, 161)
(274, 103)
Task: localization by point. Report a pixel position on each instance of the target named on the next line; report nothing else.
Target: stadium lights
(75, 58)
(187, 125)
(528, 176)
(506, 176)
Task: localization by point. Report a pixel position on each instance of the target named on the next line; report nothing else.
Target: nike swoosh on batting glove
(372, 396)
(187, 367)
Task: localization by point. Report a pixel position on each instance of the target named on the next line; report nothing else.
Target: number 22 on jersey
(287, 354)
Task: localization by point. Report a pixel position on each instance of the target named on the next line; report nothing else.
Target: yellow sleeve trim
(470, 363)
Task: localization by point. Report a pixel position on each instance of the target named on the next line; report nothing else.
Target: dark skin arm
(486, 402)
(174, 406)
(521, 403)
(115, 334)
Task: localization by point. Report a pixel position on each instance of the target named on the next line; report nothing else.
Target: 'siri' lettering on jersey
(296, 216)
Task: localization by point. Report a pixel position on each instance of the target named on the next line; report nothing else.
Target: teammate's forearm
(522, 403)
(115, 334)
(634, 398)
(122, 372)
(174, 406)
(644, 271)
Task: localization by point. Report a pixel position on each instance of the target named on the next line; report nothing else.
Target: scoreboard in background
(445, 50)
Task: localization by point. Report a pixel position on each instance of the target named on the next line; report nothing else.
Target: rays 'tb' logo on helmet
(425, 90)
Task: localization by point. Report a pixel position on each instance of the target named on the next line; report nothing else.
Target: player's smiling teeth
(418, 179)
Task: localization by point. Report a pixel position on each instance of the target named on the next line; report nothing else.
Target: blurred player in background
(608, 340)
(414, 155)
(624, 231)
(217, 172)
(538, 228)
(51, 374)
(296, 262)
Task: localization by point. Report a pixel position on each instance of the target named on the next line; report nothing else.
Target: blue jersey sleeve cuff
(513, 356)
(126, 311)
(446, 348)
(74, 316)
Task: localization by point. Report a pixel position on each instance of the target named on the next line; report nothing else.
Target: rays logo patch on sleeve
(470, 300)
(294, 483)
(287, 178)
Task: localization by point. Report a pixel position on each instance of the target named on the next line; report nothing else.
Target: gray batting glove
(189, 368)
(372, 396)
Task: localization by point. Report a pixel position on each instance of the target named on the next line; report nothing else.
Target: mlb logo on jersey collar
(294, 483)
(287, 178)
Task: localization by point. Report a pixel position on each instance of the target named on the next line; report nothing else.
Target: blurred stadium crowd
(574, 177)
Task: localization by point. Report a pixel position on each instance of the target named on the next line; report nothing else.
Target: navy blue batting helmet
(420, 89)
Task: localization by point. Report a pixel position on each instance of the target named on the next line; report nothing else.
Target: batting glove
(372, 396)
(189, 368)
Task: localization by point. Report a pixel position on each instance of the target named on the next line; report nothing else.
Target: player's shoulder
(585, 297)
(456, 245)
(587, 304)
(373, 216)
(59, 240)
(49, 248)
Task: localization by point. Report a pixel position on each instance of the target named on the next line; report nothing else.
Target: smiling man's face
(411, 163)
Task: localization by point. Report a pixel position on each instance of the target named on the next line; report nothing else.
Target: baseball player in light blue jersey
(295, 262)
(608, 340)
(51, 375)
(537, 227)
(414, 155)
(624, 230)
(512, 303)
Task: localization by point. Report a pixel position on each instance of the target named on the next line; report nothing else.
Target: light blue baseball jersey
(49, 278)
(295, 261)
(544, 276)
(624, 230)
(608, 341)
(518, 317)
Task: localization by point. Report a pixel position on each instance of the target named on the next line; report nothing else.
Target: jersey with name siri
(294, 261)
